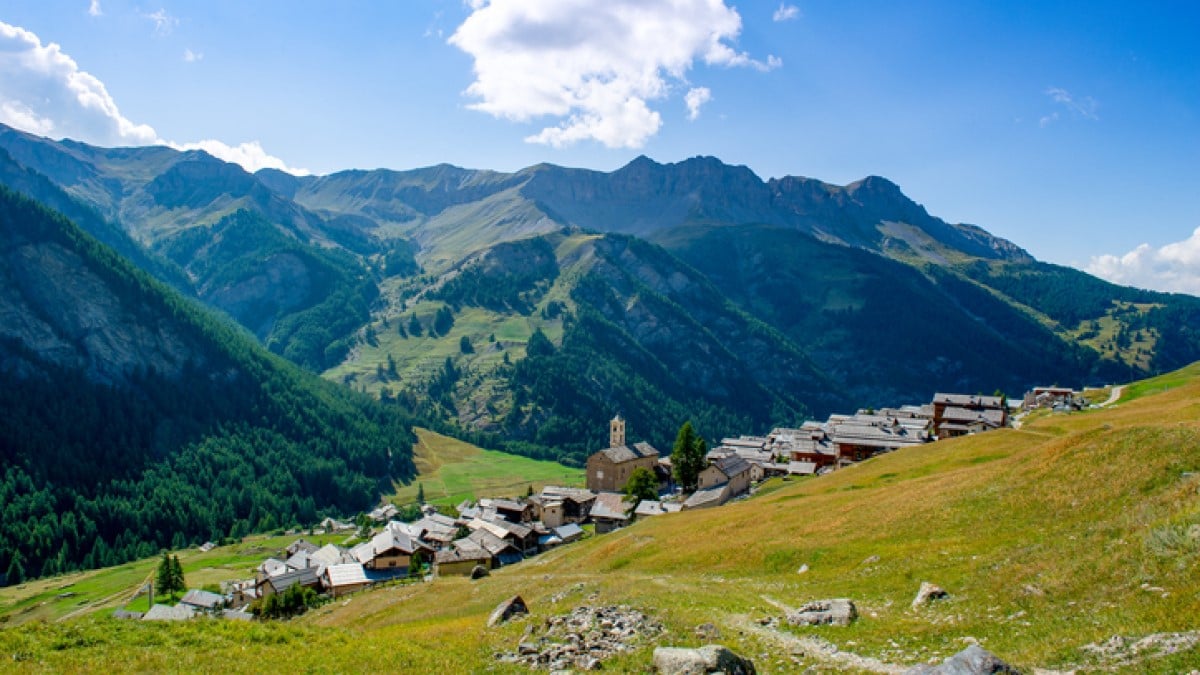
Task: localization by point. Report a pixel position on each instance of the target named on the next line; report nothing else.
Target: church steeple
(616, 432)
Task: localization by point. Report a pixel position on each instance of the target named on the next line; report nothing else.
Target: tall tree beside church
(687, 457)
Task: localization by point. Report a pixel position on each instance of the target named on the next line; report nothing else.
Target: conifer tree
(687, 457)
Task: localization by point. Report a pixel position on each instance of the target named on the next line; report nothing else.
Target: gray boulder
(839, 612)
(506, 610)
(479, 572)
(707, 659)
(928, 593)
(973, 660)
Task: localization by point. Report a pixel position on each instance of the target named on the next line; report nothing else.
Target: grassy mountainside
(1064, 533)
(134, 419)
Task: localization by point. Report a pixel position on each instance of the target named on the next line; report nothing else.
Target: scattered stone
(870, 560)
(707, 659)
(582, 639)
(1030, 589)
(973, 660)
(838, 612)
(928, 593)
(506, 610)
(1123, 651)
(707, 631)
(803, 569)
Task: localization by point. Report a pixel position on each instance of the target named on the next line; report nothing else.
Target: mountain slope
(135, 420)
(1076, 530)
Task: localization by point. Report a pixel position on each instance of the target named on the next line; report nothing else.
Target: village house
(962, 414)
(569, 505)
(240, 592)
(732, 470)
(203, 601)
(715, 495)
(1053, 397)
(653, 507)
(522, 537)
(344, 578)
(611, 512)
(809, 443)
(502, 551)
(279, 583)
(391, 549)
(608, 470)
(459, 562)
(865, 435)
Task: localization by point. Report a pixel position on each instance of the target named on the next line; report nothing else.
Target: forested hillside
(136, 420)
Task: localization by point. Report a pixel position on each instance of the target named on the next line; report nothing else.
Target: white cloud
(191, 56)
(43, 91)
(163, 23)
(250, 155)
(1075, 106)
(786, 13)
(695, 98)
(1173, 267)
(94, 8)
(596, 67)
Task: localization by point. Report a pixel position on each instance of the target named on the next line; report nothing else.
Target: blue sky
(1071, 128)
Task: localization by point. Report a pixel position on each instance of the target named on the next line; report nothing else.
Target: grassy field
(452, 470)
(111, 588)
(1069, 531)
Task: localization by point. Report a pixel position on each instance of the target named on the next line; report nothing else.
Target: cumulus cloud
(596, 67)
(191, 56)
(1174, 267)
(695, 98)
(786, 13)
(44, 91)
(1079, 107)
(250, 155)
(94, 8)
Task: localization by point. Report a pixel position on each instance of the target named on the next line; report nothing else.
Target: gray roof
(968, 400)
(802, 468)
(612, 506)
(732, 466)
(488, 542)
(304, 577)
(965, 415)
(574, 494)
(167, 613)
(461, 555)
(628, 453)
(331, 554)
(301, 545)
(569, 531)
(345, 574)
(202, 599)
(713, 496)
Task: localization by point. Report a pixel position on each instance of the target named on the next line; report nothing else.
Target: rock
(870, 560)
(803, 569)
(587, 663)
(506, 610)
(928, 593)
(479, 572)
(973, 660)
(707, 631)
(839, 612)
(707, 659)
(526, 648)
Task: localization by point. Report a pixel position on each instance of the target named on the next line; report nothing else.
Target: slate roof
(448, 556)
(167, 613)
(272, 567)
(569, 532)
(612, 506)
(801, 468)
(304, 577)
(202, 599)
(331, 554)
(967, 400)
(628, 453)
(301, 546)
(345, 574)
(964, 415)
(713, 496)
(733, 465)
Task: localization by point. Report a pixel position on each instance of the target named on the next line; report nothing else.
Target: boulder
(506, 610)
(479, 572)
(707, 659)
(928, 593)
(973, 660)
(707, 631)
(839, 612)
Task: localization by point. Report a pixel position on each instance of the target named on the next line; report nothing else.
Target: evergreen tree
(464, 345)
(420, 493)
(163, 579)
(391, 367)
(443, 321)
(539, 344)
(16, 571)
(642, 484)
(414, 325)
(178, 584)
(415, 563)
(687, 457)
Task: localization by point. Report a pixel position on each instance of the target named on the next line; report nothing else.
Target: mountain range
(522, 309)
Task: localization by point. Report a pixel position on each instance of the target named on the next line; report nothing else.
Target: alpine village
(668, 417)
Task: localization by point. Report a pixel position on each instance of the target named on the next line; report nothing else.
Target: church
(609, 469)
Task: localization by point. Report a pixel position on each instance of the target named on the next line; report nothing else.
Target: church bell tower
(616, 432)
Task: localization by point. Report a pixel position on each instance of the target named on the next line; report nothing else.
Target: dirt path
(97, 604)
(1113, 397)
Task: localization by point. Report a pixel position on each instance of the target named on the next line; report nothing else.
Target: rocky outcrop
(973, 660)
(511, 607)
(927, 593)
(838, 612)
(583, 639)
(706, 659)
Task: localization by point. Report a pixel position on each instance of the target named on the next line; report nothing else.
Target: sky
(1070, 128)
